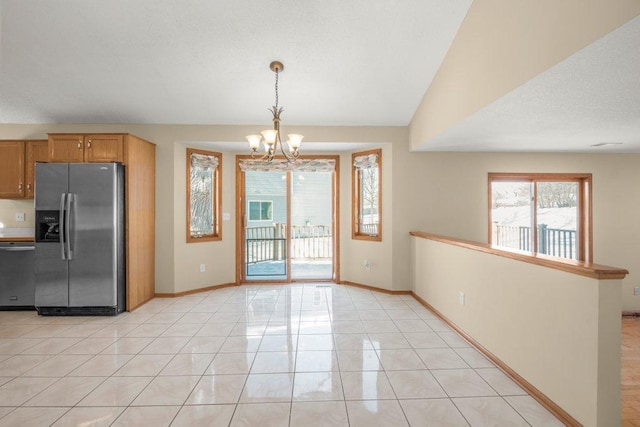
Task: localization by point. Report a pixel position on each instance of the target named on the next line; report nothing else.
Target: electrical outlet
(20, 217)
(367, 266)
(636, 291)
(461, 298)
(202, 268)
(226, 216)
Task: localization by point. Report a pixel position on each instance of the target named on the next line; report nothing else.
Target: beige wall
(8, 210)
(177, 263)
(442, 193)
(219, 256)
(355, 252)
(559, 331)
(449, 196)
(503, 44)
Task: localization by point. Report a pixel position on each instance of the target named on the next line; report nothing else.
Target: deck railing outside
(311, 241)
(371, 229)
(551, 241)
(270, 243)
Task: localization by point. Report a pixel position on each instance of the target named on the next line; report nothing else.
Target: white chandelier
(271, 137)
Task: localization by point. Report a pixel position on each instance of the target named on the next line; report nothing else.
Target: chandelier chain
(271, 137)
(277, 72)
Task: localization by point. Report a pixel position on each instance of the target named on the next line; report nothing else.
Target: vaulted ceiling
(354, 63)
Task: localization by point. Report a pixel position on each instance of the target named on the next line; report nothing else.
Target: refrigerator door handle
(63, 198)
(67, 226)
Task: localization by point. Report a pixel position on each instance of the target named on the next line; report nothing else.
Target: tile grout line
(358, 306)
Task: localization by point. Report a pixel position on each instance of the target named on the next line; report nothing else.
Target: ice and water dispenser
(48, 226)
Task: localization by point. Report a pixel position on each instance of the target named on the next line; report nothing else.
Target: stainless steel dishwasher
(17, 284)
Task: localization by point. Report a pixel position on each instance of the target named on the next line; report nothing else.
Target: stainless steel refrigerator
(80, 239)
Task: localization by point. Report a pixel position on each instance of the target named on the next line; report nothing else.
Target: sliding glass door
(287, 220)
(266, 225)
(311, 225)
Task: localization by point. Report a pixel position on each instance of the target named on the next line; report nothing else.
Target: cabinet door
(104, 148)
(11, 169)
(35, 151)
(66, 148)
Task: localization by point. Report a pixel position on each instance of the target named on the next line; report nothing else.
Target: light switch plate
(226, 216)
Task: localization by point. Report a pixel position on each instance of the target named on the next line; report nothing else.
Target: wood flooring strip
(631, 371)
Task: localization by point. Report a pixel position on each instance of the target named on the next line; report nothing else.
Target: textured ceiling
(592, 97)
(356, 62)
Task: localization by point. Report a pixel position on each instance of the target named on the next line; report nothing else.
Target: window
(541, 213)
(203, 195)
(260, 210)
(367, 195)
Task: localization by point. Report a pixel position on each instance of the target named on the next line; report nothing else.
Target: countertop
(16, 234)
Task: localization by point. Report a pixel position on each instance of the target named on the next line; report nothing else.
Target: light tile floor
(286, 355)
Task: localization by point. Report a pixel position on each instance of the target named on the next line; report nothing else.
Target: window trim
(585, 217)
(217, 176)
(355, 193)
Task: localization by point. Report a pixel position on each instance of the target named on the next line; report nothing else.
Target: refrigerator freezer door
(53, 180)
(51, 270)
(52, 286)
(94, 225)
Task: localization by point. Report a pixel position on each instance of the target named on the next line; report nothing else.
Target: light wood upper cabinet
(35, 151)
(17, 167)
(11, 169)
(78, 148)
(104, 148)
(66, 148)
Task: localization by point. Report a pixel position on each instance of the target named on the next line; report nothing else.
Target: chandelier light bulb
(295, 139)
(270, 136)
(254, 141)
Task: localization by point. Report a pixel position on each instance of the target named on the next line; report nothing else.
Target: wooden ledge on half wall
(595, 271)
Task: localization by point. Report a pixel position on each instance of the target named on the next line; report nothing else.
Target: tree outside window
(366, 195)
(203, 195)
